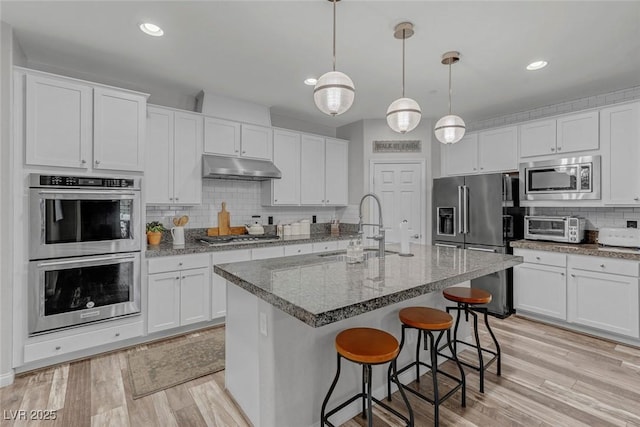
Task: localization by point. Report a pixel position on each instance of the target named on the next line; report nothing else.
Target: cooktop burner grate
(239, 238)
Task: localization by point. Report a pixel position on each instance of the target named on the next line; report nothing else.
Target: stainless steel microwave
(575, 178)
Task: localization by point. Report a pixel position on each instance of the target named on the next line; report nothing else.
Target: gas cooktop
(239, 238)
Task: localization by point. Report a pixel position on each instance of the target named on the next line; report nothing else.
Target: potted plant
(154, 232)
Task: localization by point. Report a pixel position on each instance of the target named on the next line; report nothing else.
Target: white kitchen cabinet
(76, 124)
(336, 177)
(219, 284)
(58, 124)
(498, 150)
(179, 297)
(173, 172)
(268, 252)
(620, 138)
(286, 157)
(229, 138)
(461, 158)
(564, 134)
(305, 248)
(119, 123)
(325, 246)
(540, 288)
(603, 294)
(312, 175)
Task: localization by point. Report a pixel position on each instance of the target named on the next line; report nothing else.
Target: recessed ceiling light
(151, 29)
(536, 65)
(310, 81)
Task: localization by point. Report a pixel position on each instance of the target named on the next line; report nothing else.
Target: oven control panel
(81, 181)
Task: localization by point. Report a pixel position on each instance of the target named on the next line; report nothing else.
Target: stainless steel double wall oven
(84, 250)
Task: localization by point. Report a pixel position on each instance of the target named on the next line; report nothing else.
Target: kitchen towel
(404, 237)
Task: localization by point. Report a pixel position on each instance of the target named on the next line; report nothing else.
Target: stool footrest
(467, 364)
(446, 374)
(358, 396)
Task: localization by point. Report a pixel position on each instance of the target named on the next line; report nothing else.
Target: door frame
(423, 183)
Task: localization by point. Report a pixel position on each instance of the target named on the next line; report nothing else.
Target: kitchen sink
(368, 254)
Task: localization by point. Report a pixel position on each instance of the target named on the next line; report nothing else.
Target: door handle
(460, 210)
(444, 245)
(465, 193)
(416, 236)
(482, 250)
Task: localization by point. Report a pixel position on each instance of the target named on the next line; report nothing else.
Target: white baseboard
(7, 378)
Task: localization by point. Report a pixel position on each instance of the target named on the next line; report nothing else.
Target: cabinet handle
(117, 334)
(83, 161)
(327, 200)
(275, 200)
(481, 169)
(474, 168)
(237, 151)
(538, 258)
(636, 198)
(58, 347)
(180, 263)
(177, 277)
(562, 274)
(97, 162)
(559, 148)
(553, 149)
(177, 199)
(243, 152)
(298, 250)
(601, 265)
(573, 275)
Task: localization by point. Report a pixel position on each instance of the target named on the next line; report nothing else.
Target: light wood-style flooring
(550, 377)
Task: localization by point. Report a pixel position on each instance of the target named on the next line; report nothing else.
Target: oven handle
(92, 259)
(96, 192)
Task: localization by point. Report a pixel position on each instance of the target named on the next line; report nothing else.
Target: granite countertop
(592, 249)
(194, 246)
(320, 289)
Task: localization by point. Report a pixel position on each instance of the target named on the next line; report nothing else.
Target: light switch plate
(263, 324)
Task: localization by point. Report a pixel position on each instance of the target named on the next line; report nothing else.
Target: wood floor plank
(216, 407)
(116, 417)
(77, 409)
(58, 388)
(163, 410)
(190, 416)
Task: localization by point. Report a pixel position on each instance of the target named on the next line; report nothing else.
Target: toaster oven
(554, 228)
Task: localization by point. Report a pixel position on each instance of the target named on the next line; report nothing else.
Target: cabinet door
(578, 132)
(462, 157)
(158, 173)
(336, 177)
(620, 135)
(286, 157)
(256, 142)
(312, 170)
(540, 289)
(219, 284)
(265, 253)
(538, 138)
(119, 122)
(302, 249)
(221, 137)
(498, 150)
(195, 296)
(164, 301)
(604, 301)
(57, 122)
(187, 154)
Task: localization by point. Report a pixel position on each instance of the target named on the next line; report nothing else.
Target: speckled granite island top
(320, 289)
(591, 249)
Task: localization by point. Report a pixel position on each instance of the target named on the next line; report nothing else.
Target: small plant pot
(154, 237)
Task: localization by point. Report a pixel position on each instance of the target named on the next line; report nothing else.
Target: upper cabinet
(286, 157)
(173, 174)
(620, 137)
(229, 138)
(312, 163)
(494, 150)
(566, 134)
(75, 124)
(336, 177)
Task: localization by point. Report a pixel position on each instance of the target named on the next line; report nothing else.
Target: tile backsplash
(596, 217)
(243, 201)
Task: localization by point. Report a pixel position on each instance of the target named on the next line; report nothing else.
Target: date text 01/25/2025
(33, 414)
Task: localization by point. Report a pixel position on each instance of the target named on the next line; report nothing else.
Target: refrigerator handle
(465, 193)
(460, 210)
(471, 248)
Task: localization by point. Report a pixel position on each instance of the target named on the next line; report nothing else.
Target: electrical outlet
(263, 324)
(632, 224)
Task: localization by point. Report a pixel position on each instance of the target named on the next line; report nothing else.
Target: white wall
(286, 122)
(6, 294)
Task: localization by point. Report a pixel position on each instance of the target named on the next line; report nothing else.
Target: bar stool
(427, 321)
(467, 300)
(367, 347)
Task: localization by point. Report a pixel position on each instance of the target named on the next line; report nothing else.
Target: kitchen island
(283, 315)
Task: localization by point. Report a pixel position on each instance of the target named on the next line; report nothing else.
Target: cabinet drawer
(605, 265)
(298, 249)
(542, 257)
(325, 246)
(174, 263)
(56, 347)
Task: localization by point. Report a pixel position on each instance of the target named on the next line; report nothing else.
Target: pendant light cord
(449, 87)
(334, 35)
(404, 37)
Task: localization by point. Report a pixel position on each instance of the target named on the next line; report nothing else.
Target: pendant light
(450, 129)
(403, 115)
(334, 92)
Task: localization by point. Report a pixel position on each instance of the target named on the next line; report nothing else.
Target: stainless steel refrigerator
(480, 213)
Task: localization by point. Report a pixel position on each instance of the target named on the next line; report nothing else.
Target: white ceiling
(262, 50)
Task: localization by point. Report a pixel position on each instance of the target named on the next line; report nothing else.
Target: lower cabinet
(602, 300)
(540, 289)
(179, 297)
(219, 284)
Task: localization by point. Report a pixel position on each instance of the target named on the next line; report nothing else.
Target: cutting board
(224, 221)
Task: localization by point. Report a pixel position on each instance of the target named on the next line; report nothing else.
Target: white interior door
(400, 189)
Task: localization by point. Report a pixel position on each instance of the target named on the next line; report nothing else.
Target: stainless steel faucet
(380, 236)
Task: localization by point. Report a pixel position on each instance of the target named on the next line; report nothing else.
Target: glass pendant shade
(334, 93)
(450, 129)
(403, 115)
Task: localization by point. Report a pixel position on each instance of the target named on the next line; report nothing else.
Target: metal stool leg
(434, 376)
(393, 365)
(326, 399)
(418, 354)
(390, 367)
(364, 391)
(462, 376)
(495, 341)
(369, 402)
(478, 347)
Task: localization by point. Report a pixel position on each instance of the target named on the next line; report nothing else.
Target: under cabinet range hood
(221, 167)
